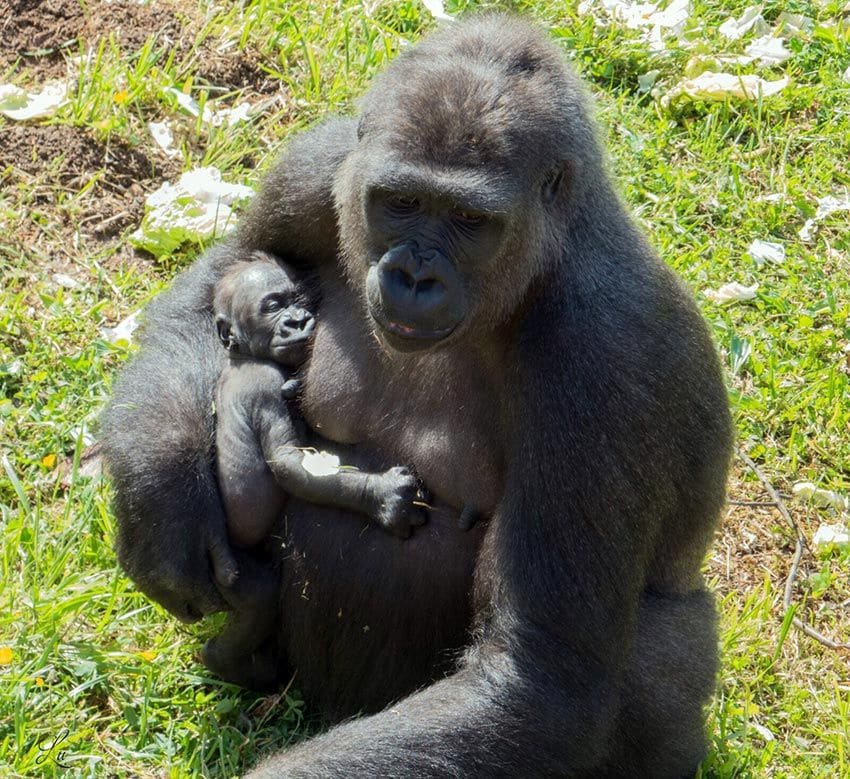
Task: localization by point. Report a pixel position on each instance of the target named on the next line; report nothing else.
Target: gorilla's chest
(431, 413)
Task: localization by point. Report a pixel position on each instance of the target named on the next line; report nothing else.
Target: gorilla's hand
(394, 491)
(182, 564)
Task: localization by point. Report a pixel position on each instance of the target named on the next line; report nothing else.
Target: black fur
(577, 401)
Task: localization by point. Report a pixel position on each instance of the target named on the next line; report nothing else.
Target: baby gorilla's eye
(271, 305)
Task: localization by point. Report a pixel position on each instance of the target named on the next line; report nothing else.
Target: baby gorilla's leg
(246, 651)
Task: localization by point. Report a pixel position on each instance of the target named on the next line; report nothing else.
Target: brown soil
(52, 164)
(38, 36)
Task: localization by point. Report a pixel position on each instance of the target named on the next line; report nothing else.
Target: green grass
(95, 680)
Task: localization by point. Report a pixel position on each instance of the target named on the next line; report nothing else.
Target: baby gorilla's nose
(295, 318)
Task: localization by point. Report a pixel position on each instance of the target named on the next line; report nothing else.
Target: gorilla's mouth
(405, 338)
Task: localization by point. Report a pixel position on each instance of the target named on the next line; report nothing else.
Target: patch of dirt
(55, 162)
(754, 543)
(234, 71)
(37, 35)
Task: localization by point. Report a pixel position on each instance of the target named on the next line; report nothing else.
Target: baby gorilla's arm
(386, 497)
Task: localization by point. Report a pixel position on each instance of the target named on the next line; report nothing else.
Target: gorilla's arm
(158, 428)
(157, 436)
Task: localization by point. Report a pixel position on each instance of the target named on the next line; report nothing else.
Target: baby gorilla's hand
(394, 492)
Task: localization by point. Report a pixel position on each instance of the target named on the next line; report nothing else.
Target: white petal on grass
(123, 331)
(66, 281)
(656, 22)
(846, 75)
(21, 105)
(733, 28)
(795, 25)
(320, 463)
(713, 86)
(826, 206)
(733, 292)
(164, 137)
(437, 10)
(198, 207)
(808, 491)
(773, 197)
(186, 102)
(764, 732)
(827, 535)
(768, 50)
(766, 251)
(227, 116)
(647, 80)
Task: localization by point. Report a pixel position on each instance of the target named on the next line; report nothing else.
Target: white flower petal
(733, 292)
(320, 463)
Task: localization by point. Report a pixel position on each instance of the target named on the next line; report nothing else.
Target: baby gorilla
(264, 325)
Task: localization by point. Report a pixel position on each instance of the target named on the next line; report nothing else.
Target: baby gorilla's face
(259, 314)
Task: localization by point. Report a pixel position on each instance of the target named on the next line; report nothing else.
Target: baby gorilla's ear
(225, 332)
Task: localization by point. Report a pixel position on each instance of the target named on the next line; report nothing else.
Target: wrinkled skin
(494, 319)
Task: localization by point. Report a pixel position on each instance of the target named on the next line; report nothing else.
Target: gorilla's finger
(225, 567)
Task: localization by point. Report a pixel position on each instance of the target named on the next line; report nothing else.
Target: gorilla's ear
(225, 333)
(553, 182)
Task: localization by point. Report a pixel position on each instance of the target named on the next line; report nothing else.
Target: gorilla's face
(425, 247)
(449, 206)
(259, 314)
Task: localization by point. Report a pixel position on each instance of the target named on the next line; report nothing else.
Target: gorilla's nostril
(426, 285)
(402, 278)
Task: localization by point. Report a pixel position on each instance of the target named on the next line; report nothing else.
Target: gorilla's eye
(469, 218)
(270, 305)
(403, 204)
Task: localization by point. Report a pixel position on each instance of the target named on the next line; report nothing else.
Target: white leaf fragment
(826, 206)
(827, 535)
(123, 331)
(773, 197)
(21, 105)
(437, 10)
(768, 50)
(763, 731)
(66, 281)
(846, 75)
(808, 491)
(721, 86)
(795, 25)
(199, 206)
(656, 22)
(733, 292)
(733, 28)
(215, 117)
(320, 463)
(164, 137)
(766, 251)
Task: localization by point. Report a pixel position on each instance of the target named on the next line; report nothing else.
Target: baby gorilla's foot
(258, 670)
(395, 491)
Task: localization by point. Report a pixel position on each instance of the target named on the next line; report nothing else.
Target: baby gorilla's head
(259, 312)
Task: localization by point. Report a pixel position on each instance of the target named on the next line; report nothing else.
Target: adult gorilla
(498, 323)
